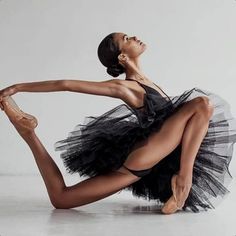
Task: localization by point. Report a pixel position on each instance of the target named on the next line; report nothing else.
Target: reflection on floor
(25, 210)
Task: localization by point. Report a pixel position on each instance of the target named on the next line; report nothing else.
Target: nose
(135, 38)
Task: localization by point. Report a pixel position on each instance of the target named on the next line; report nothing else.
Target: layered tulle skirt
(101, 144)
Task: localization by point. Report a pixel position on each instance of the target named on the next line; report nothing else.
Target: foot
(23, 122)
(171, 205)
(182, 188)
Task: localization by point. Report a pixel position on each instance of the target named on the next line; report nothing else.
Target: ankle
(28, 135)
(186, 171)
(184, 179)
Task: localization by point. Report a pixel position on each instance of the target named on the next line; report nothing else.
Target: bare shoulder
(131, 93)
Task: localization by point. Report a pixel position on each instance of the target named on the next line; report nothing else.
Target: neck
(133, 71)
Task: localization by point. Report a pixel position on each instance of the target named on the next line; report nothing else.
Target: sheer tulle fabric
(101, 144)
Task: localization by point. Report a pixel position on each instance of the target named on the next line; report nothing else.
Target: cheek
(134, 51)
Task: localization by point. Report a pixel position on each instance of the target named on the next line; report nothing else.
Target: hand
(123, 59)
(8, 91)
(183, 186)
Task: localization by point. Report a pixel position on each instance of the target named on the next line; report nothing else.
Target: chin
(143, 50)
(144, 47)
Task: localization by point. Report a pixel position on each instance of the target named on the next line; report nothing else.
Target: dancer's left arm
(41, 86)
(105, 88)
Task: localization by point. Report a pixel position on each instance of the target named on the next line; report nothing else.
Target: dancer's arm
(104, 88)
(110, 88)
(41, 86)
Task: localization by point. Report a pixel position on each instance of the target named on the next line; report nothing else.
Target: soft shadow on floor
(26, 210)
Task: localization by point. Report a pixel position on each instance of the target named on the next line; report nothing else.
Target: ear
(123, 59)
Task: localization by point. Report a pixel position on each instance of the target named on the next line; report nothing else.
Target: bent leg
(147, 153)
(176, 129)
(194, 133)
(158, 145)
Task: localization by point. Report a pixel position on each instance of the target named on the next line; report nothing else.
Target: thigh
(149, 152)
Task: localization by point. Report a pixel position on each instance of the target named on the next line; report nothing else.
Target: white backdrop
(189, 43)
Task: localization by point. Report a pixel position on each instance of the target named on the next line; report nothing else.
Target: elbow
(58, 202)
(63, 85)
(60, 206)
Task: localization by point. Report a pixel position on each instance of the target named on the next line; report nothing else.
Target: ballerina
(153, 153)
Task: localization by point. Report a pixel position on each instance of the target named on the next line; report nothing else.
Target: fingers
(1, 106)
(1, 97)
(2, 102)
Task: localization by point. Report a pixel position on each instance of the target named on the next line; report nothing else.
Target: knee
(204, 106)
(60, 205)
(59, 202)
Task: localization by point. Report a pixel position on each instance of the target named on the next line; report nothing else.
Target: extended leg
(61, 196)
(87, 191)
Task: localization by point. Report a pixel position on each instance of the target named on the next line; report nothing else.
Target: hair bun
(115, 70)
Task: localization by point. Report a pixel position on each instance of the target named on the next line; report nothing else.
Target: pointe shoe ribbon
(16, 114)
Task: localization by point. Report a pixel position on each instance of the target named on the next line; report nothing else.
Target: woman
(175, 150)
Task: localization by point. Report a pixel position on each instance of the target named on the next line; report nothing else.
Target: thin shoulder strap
(139, 84)
(161, 89)
(143, 88)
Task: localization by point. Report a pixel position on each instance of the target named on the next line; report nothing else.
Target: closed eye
(126, 37)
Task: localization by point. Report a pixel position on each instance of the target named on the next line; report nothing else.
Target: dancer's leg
(194, 133)
(192, 119)
(158, 145)
(86, 191)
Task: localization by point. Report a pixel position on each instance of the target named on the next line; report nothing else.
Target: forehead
(119, 37)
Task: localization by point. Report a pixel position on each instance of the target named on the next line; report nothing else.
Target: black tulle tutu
(101, 144)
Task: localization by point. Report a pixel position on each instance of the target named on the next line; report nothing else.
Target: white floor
(25, 210)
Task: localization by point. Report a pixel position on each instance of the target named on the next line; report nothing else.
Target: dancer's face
(131, 46)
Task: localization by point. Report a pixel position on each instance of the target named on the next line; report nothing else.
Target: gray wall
(189, 43)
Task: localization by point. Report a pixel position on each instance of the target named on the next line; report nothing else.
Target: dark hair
(108, 52)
